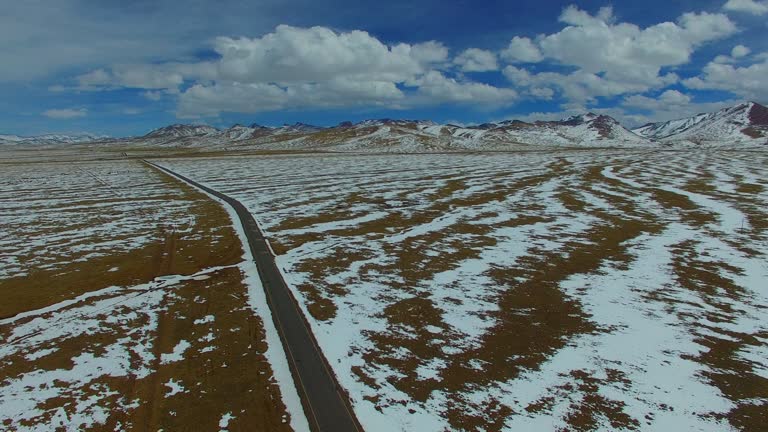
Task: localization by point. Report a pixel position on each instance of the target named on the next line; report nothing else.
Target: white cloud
(45, 38)
(669, 99)
(740, 51)
(723, 59)
(166, 76)
(428, 53)
(542, 93)
(580, 87)
(318, 67)
(153, 95)
(293, 68)
(747, 6)
(521, 50)
(210, 100)
(624, 52)
(287, 56)
(436, 87)
(98, 77)
(671, 104)
(476, 60)
(574, 16)
(292, 54)
(518, 76)
(748, 82)
(613, 58)
(65, 113)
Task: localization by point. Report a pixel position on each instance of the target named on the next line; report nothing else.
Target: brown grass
(234, 377)
(535, 318)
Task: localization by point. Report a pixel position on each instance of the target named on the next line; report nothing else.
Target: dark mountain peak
(388, 122)
(301, 127)
(576, 120)
(758, 114)
(181, 130)
(742, 122)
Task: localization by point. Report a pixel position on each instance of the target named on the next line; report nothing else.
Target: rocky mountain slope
(387, 135)
(742, 125)
(50, 139)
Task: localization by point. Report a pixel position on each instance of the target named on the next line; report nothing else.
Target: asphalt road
(326, 406)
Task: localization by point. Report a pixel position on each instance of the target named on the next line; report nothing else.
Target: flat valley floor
(537, 291)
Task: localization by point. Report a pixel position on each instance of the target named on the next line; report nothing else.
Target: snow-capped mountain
(586, 130)
(298, 128)
(181, 131)
(52, 139)
(742, 125)
(10, 139)
(181, 135)
(390, 135)
(745, 125)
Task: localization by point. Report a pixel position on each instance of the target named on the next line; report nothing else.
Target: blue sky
(123, 68)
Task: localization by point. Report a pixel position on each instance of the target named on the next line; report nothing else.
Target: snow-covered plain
(56, 214)
(539, 291)
(126, 301)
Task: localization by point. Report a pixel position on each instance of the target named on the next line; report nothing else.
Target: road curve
(326, 406)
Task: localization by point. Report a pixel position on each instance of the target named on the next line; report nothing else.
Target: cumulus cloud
(65, 113)
(747, 6)
(613, 58)
(292, 54)
(476, 60)
(153, 95)
(166, 76)
(521, 50)
(574, 16)
(591, 56)
(317, 67)
(436, 87)
(624, 52)
(429, 53)
(544, 93)
(740, 51)
(671, 104)
(45, 38)
(748, 81)
(580, 86)
(670, 98)
(211, 99)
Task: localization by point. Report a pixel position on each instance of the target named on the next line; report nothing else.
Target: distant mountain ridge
(51, 139)
(182, 130)
(743, 124)
(391, 135)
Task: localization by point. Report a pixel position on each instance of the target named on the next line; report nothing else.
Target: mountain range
(51, 139)
(745, 123)
(741, 126)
